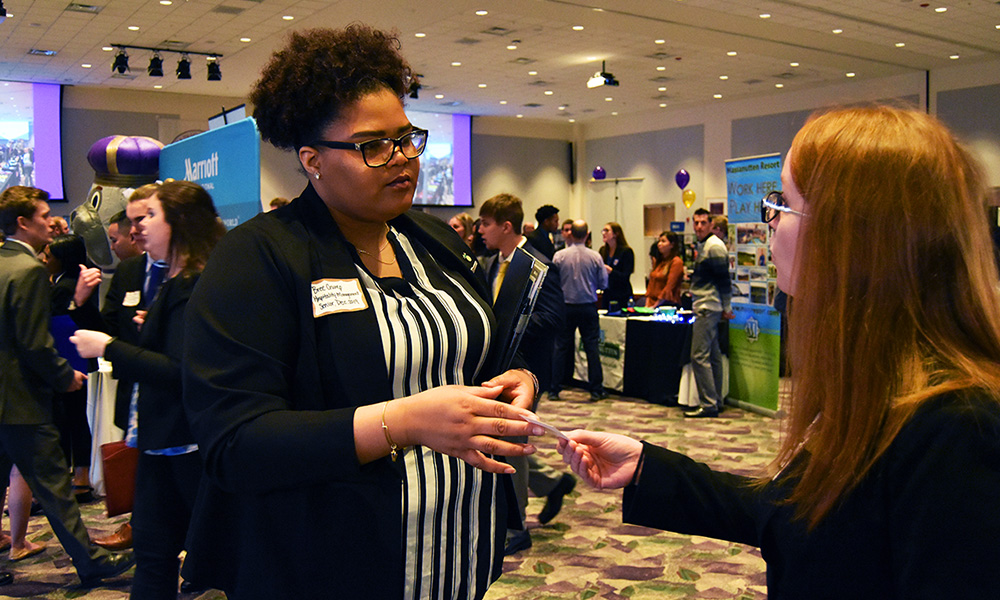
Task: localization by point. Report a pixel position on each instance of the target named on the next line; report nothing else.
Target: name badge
(330, 296)
(132, 298)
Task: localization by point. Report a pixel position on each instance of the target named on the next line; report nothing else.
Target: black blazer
(155, 364)
(271, 392)
(117, 321)
(539, 238)
(923, 523)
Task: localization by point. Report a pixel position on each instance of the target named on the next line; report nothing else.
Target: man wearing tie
(30, 371)
(500, 220)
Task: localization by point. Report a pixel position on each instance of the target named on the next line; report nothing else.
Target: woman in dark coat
(619, 260)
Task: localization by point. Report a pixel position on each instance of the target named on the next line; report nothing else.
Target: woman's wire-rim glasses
(378, 153)
(773, 205)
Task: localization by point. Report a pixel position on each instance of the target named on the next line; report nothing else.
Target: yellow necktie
(499, 280)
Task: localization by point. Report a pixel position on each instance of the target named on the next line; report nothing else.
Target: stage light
(155, 66)
(120, 63)
(214, 70)
(602, 77)
(184, 67)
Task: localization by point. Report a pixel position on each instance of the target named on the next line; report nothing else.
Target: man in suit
(500, 220)
(546, 237)
(30, 371)
(129, 292)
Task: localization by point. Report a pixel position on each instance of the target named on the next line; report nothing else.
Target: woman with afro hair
(334, 365)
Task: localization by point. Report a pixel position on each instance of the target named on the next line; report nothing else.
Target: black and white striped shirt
(435, 331)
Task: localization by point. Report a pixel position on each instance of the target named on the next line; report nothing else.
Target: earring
(316, 175)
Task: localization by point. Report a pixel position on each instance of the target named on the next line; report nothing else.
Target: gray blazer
(30, 368)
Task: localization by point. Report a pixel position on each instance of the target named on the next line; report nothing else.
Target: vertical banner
(224, 161)
(755, 331)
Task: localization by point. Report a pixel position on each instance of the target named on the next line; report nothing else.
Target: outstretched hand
(464, 422)
(604, 460)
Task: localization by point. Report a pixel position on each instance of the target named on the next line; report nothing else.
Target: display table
(642, 356)
(101, 391)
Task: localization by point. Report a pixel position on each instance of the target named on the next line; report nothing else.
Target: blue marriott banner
(224, 161)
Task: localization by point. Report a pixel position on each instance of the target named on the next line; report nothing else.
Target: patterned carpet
(585, 552)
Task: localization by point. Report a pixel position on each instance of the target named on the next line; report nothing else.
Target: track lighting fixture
(155, 66)
(120, 63)
(184, 67)
(214, 70)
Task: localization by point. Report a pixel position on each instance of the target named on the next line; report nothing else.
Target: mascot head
(121, 163)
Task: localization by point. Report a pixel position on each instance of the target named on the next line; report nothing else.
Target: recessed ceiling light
(793, 64)
(520, 116)
(779, 85)
(663, 104)
(503, 102)
(166, 2)
(86, 65)
(723, 77)
(482, 85)
(133, 28)
(456, 64)
(532, 72)
(572, 120)
(661, 89)
(158, 87)
(287, 17)
(439, 96)
(608, 99)
(563, 107)
(900, 44)
(953, 57)
(512, 47)
(765, 16)
(549, 92)
(419, 35)
(997, 26)
(731, 53)
(838, 31)
(661, 68)
(660, 42)
(940, 9)
(717, 96)
(107, 48)
(614, 114)
(852, 74)
(482, 13)
(244, 39)
(578, 28)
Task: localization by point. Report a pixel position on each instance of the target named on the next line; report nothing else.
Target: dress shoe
(115, 565)
(702, 413)
(6, 578)
(554, 501)
(600, 394)
(84, 494)
(17, 554)
(190, 587)
(517, 541)
(121, 539)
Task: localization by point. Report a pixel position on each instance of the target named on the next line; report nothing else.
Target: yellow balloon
(688, 198)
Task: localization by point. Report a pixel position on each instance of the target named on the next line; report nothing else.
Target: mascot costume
(121, 164)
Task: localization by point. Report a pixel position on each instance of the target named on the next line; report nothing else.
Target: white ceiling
(688, 64)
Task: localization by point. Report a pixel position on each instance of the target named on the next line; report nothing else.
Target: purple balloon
(599, 172)
(682, 178)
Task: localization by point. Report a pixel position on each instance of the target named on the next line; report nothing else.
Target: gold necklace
(378, 258)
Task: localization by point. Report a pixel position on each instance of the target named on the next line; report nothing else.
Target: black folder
(513, 306)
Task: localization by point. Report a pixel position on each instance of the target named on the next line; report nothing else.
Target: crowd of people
(395, 466)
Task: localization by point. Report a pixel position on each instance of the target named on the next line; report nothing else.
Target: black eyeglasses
(773, 205)
(378, 153)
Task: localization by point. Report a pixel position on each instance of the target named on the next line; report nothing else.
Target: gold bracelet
(393, 448)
